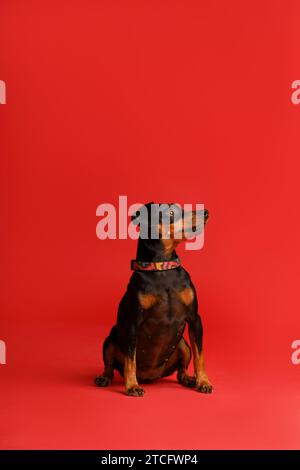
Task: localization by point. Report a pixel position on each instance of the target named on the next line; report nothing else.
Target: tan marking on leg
(202, 382)
(147, 300)
(131, 383)
(130, 372)
(107, 377)
(186, 296)
(184, 360)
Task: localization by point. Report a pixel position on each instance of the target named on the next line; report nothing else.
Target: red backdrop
(164, 101)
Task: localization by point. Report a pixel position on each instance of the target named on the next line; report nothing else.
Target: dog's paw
(187, 381)
(135, 391)
(205, 387)
(102, 381)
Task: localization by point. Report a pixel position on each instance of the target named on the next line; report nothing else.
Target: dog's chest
(165, 300)
(173, 301)
(159, 329)
(163, 314)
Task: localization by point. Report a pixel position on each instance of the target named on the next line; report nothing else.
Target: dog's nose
(206, 213)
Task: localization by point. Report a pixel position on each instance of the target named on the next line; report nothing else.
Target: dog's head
(169, 223)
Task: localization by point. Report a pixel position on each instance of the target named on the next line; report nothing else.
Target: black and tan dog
(147, 342)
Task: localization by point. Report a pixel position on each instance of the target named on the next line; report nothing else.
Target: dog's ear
(145, 208)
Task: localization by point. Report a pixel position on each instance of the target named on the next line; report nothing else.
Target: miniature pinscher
(147, 341)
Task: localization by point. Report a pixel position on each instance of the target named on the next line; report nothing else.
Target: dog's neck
(155, 250)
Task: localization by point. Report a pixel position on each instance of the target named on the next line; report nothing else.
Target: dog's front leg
(203, 385)
(128, 338)
(132, 387)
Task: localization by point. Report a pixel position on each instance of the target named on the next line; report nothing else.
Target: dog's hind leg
(184, 358)
(108, 357)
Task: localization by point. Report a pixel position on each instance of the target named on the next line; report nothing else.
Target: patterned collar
(154, 265)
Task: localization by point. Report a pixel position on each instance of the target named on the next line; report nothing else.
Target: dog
(147, 341)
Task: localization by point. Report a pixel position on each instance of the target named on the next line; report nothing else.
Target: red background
(164, 101)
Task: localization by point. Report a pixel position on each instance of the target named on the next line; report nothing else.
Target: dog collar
(154, 265)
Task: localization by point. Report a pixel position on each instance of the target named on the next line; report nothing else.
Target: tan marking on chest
(147, 300)
(186, 296)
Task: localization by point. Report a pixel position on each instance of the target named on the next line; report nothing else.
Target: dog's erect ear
(144, 210)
